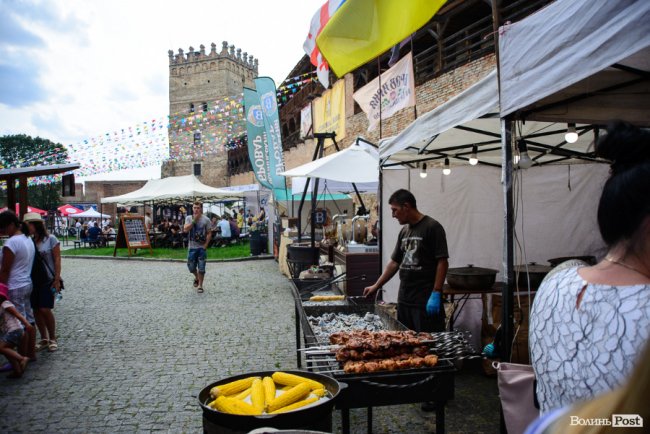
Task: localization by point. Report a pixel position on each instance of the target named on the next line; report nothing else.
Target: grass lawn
(235, 251)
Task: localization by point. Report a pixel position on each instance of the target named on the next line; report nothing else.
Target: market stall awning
(471, 119)
(67, 210)
(175, 188)
(577, 61)
(29, 209)
(327, 185)
(92, 214)
(357, 163)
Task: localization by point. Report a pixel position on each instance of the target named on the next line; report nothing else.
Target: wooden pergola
(22, 174)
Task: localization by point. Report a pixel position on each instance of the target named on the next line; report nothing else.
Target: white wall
(557, 221)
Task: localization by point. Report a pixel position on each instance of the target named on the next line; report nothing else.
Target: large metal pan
(471, 278)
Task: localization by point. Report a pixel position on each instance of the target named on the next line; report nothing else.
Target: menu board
(132, 234)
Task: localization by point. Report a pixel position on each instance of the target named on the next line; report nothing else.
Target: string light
(473, 159)
(423, 170)
(447, 169)
(571, 135)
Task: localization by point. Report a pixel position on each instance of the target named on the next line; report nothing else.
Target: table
(465, 295)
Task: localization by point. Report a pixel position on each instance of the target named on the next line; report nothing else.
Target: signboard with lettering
(132, 234)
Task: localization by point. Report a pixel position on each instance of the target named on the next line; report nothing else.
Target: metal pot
(536, 274)
(317, 417)
(590, 260)
(471, 278)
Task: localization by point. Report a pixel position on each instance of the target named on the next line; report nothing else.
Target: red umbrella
(29, 209)
(67, 210)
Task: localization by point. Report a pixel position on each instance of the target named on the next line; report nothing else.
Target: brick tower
(196, 81)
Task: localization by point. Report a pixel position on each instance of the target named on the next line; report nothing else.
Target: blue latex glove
(434, 304)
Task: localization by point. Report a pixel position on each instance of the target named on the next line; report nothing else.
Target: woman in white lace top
(589, 324)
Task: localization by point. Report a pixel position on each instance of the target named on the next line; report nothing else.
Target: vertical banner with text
(258, 151)
(267, 96)
(329, 112)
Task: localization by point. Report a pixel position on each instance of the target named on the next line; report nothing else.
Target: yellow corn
(269, 389)
(327, 298)
(293, 380)
(285, 388)
(241, 395)
(232, 387)
(257, 395)
(233, 406)
(319, 392)
(295, 394)
(295, 405)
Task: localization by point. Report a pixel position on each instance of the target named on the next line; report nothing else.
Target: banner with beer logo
(386, 95)
(329, 111)
(266, 92)
(305, 121)
(258, 151)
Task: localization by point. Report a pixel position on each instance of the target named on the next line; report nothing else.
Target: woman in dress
(588, 324)
(43, 300)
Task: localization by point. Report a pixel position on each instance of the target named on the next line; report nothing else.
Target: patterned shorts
(196, 257)
(20, 298)
(13, 337)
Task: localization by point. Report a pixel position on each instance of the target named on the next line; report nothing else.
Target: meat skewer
(391, 364)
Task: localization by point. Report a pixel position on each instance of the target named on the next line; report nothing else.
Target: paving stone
(137, 344)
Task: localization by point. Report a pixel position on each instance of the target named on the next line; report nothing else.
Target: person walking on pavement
(199, 235)
(421, 258)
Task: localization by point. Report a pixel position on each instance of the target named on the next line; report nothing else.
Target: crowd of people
(26, 299)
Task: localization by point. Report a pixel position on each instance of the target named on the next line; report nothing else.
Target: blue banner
(258, 148)
(267, 96)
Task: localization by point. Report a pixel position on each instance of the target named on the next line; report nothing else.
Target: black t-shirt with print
(417, 251)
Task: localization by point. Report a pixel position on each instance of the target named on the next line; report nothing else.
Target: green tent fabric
(285, 195)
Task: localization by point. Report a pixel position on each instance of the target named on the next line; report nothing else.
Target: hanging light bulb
(473, 159)
(447, 169)
(423, 170)
(524, 159)
(571, 135)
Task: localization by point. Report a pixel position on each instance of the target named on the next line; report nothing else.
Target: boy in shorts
(11, 333)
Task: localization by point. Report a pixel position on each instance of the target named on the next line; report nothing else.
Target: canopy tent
(578, 62)
(29, 209)
(173, 189)
(471, 119)
(298, 186)
(357, 163)
(67, 210)
(92, 214)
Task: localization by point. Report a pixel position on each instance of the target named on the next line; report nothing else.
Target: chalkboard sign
(132, 235)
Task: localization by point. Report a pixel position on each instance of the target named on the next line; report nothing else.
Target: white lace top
(579, 353)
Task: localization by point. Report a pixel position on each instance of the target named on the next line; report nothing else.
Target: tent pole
(507, 316)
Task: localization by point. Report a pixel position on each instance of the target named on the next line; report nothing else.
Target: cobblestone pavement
(137, 344)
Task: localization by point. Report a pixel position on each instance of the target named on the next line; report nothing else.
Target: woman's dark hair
(41, 232)
(10, 217)
(625, 201)
(401, 197)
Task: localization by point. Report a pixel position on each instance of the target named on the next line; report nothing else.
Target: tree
(20, 150)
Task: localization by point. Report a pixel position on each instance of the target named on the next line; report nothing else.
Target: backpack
(40, 276)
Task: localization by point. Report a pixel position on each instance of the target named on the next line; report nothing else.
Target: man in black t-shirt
(420, 256)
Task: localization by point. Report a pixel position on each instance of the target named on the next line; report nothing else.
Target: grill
(383, 387)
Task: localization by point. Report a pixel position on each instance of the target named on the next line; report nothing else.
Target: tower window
(191, 107)
(197, 138)
(205, 107)
(197, 169)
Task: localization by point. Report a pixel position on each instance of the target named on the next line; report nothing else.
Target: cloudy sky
(75, 69)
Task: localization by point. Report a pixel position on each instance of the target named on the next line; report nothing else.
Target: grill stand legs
(440, 419)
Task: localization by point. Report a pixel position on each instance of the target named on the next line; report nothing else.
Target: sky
(72, 70)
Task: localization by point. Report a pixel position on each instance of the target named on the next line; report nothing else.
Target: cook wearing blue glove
(434, 305)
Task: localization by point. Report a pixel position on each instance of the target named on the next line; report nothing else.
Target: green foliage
(234, 251)
(20, 150)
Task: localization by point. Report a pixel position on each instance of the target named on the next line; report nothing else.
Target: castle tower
(196, 80)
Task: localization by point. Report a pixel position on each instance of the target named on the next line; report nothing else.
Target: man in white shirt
(224, 225)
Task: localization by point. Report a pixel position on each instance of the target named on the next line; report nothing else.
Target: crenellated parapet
(227, 52)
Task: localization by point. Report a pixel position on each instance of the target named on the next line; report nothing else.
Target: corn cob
(295, 405)
(318, 392)
(241, 395)
(285, 388)
(327, 298)
(257, 395)
(301, 391)
(269, 389)
(233, 406)
(293, 380)
(232, 387)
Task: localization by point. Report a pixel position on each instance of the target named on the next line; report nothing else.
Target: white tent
(175, 188)
(326, 185)
(578, 61)
(91, 214)
(357, 163)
